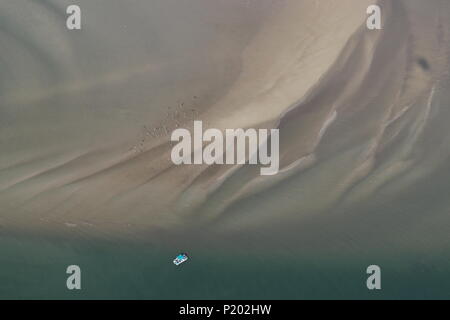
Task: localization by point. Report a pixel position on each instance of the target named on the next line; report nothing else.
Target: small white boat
(182, 257)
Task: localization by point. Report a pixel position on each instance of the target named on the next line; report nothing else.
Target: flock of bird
(174, 118)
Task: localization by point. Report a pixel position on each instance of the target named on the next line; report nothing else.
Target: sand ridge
(354, 108)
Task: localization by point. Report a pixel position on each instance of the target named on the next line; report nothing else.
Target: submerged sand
(86, 116)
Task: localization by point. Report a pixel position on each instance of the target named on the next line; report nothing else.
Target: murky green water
(35, 269)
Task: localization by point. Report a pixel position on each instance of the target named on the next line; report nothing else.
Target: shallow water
(36, 269)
